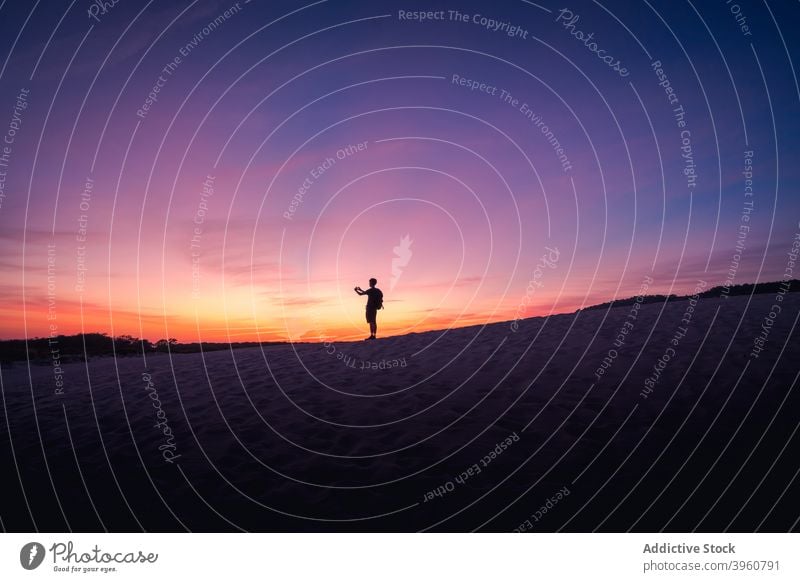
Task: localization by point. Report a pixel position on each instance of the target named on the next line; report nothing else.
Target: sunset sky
(291, 147)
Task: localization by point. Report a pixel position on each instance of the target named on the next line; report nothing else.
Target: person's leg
(373, 328)
(371, 322)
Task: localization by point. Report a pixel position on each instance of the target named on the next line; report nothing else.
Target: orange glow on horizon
(70, 318)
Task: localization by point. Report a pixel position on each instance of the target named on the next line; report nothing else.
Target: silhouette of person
(374, 303)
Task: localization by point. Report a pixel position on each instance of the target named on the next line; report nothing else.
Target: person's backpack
(380, 299)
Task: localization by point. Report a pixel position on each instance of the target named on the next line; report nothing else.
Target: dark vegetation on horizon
(719, 291)
(70, 348)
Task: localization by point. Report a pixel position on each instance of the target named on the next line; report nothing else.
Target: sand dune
(473, 428)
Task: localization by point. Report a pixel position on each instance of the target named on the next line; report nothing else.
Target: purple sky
(578, 158)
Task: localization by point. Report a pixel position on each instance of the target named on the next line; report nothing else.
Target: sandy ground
(477, 428)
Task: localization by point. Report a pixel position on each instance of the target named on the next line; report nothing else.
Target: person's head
(373, 282)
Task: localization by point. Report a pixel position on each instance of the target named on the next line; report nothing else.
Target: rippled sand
(407, 433)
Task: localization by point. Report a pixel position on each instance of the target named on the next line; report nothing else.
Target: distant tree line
(719, 291)
(80, 346)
